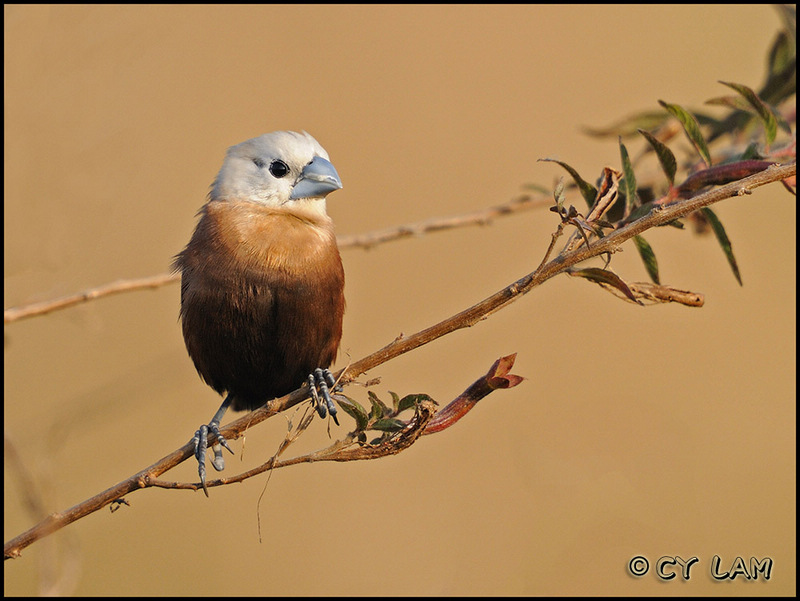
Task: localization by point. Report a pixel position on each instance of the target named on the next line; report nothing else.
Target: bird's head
(282, 169)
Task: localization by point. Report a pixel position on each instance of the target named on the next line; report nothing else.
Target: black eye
(278, 168)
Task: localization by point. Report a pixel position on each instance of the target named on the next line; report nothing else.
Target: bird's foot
(320, 382)
(201, 445)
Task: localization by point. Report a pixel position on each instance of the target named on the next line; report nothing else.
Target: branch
(497, 378)
(348, 449)
(437, 224)
(660, 214)
(368, 240)
(43, 307)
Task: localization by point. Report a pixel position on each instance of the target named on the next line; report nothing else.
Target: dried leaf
(558, 195)
(605, 277)
(666, 294)
(606, 195)
(691, 127)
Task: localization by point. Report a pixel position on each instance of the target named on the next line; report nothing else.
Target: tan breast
(287, 240)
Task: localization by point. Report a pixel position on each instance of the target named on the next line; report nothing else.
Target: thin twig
(437, 224)
(368, 240)
(148, 477)
(126, 285)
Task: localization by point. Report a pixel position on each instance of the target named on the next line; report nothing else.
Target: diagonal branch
(658, 215)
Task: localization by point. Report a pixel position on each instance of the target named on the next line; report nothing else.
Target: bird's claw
(320, 382)
(201, 446)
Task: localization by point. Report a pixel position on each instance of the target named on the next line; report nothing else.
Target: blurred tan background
(640, 431)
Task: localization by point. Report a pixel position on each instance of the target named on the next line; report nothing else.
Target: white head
(280, 169)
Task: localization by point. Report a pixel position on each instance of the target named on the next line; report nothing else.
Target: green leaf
(780, 53)
(588, 191)
(749, 153)
(734, 102)
(648, 257)
(388, 424)
(628, 126)
(410, 400)
(722, 237)
(782, 81)
(379, 409)
(664, 154)
(395, 400)
(763, 110)
(782, 123)
(354, 409)
(781, 84)
(638, 213)
(629, 177)
(538, 188)
(691, 127)
(788, 15)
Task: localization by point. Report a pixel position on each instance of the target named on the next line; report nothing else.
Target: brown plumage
(262, 283)
(261, 299)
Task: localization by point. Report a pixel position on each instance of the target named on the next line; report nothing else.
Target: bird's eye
(278, 169)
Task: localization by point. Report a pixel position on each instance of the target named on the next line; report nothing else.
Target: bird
(262, 281)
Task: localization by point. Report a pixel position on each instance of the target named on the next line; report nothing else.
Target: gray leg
(201, 443)
(320, 382)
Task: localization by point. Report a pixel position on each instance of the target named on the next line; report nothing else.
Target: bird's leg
(201, 443)
(320, 382)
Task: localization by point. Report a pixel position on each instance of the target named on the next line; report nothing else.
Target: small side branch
(348, 449)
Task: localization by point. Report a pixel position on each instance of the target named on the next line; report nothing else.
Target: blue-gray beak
(318, 179)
